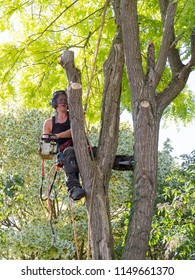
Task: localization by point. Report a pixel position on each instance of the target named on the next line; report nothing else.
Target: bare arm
(64, 134)
(47, 127)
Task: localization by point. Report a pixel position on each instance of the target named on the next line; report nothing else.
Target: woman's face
(62, 102)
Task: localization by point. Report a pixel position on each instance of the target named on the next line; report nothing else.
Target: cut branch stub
(67, 62)
(74, 92)
(76, 86)
(145, 104)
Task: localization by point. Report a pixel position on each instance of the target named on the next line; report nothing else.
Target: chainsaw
(48, 146)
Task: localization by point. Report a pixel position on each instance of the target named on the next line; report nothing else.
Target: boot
(74, 188)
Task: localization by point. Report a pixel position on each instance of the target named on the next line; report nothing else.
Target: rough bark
(108, 141)
(166, 40)
(96, 174)
(147, 109)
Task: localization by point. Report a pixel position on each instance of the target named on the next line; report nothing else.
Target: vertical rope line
(74, 228)
(49, 202)
(90, 212)
(96, 54)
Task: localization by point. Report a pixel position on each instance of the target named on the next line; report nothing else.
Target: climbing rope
(74, 227)
(96, 54)
(49, 205)
(85, 109)
(90, 211)
(42, 180)
(50, 187)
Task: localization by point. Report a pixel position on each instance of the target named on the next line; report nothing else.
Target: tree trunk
(96, 174)
(146, 130)
(147, 108)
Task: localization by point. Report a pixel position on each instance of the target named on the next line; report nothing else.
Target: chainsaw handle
(49, 137)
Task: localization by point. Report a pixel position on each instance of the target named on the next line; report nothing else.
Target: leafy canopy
(39, 31)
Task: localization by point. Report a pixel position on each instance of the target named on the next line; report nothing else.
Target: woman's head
(59, 97)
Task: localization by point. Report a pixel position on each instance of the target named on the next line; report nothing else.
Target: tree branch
(166, 40)
(131, 40)
(178, 81)
(47, 28)
(173, 55)
(151, 63)
(77, 118)
(192, 61)
(113, 70)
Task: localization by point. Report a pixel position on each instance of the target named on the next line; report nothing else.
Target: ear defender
(53, 101)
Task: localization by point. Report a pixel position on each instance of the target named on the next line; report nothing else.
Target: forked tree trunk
(96, 174)
(147, 107)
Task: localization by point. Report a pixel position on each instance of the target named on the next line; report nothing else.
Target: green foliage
(125, 95)
(172, 235)
(151, 26)
(25, 231)
(29, 65)
(166, 163)
(34, 242)
(182, 108)
(39, 32)
(120, 191)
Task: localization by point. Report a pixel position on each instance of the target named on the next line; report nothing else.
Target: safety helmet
(56, 94)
